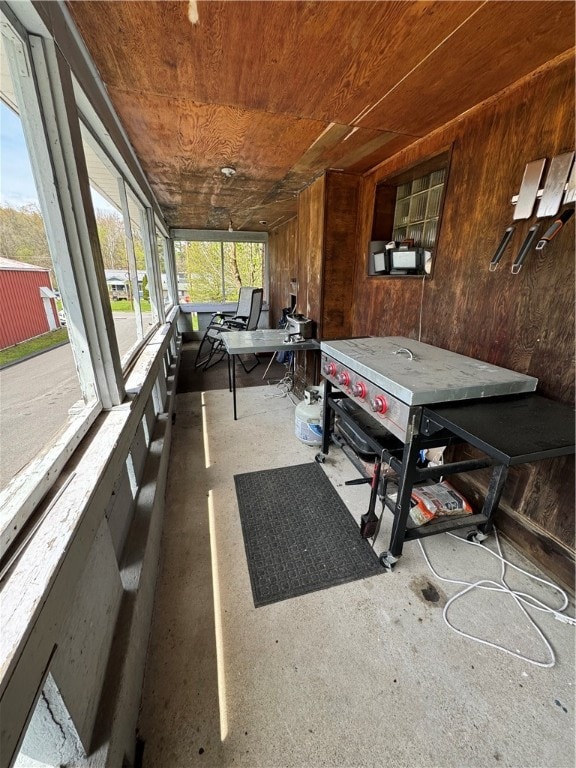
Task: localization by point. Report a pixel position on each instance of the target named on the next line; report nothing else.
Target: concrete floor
(362, 674)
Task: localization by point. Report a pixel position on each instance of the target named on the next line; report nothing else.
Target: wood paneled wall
(319, 247)
(310, 249)
(520, 321)
(339, 260)
(283, 259)
(296, 251)
(524, 322)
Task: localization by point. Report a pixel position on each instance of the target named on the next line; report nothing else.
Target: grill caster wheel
(476, 536)
(320, 458)
(388, 560)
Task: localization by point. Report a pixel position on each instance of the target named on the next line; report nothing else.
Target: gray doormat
(299, 536)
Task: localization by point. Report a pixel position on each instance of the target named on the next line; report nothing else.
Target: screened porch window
(214, 272)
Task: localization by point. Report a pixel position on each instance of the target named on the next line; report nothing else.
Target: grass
(125, 305)
(51, 339)
(33, 346)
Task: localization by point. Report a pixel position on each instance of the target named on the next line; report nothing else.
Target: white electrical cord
(520, 598)
(284, 386)
(421, 308)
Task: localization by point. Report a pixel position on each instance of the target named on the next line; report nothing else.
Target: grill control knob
(344, 378)
(330, 369)
(379, 404)
(359, 390)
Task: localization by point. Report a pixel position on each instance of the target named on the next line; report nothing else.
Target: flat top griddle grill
(419, 374)
(427, 397)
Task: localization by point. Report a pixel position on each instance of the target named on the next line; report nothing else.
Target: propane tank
(308, 417)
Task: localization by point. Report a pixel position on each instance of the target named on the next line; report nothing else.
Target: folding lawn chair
(245, 318)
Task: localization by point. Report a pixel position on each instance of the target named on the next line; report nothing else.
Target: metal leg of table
(408, 475)
(269, 364)
(234, 384)
(326, 418)
(495, 488)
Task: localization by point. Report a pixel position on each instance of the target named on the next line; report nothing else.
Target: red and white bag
(437, 500)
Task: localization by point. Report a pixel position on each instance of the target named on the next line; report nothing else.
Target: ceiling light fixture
(262, 221)
(228, 171)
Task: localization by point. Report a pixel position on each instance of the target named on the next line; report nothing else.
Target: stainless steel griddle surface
(434, 375)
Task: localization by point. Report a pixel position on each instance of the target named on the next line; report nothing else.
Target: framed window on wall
(406, 220)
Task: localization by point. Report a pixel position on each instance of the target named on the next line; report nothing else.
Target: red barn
(27, 302)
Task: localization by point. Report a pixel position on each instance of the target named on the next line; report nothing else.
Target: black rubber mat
(298, 534)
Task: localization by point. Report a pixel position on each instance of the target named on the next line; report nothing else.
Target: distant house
(119, 285)
(27, 302)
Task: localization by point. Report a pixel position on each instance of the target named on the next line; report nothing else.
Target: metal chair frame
(212, 349)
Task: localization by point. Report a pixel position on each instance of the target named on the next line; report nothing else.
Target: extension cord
(520, 598)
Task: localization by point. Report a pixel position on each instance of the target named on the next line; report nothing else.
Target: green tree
(215, 271)
(112, 243)
(138, 249)
(23, 237)
(145, 291)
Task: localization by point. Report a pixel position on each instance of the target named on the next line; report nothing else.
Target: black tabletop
(513, 430)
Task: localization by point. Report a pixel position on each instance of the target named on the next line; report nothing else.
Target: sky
(17, 187)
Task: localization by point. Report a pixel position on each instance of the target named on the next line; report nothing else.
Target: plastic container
(308, 417)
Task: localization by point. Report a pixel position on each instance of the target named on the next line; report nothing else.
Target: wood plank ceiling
(282, 91)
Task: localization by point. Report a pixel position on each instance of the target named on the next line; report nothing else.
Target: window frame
(409, 199)
(385, 200)
(30, 68)
(128, 200)
(221, 236)
(52, 104)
